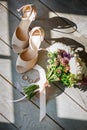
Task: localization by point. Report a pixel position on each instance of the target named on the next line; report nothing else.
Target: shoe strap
(30, 14)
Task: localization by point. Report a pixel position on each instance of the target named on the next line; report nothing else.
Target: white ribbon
(42, 90)
(41, 83)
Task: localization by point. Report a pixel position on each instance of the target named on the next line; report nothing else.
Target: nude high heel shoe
(28, 12)
(20, 37)
(28, 58)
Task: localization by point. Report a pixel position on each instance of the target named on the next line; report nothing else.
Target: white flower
(60, 46)
(77, 67)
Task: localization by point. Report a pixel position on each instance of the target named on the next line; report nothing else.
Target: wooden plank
(70, 104)
(6, 108)
(5, 124)
(75, 11)
(8, 25)
(26, 114)
(56, 28)
(5, 60)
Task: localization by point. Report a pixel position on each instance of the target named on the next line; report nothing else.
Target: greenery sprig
(30, 91)
(58, 68)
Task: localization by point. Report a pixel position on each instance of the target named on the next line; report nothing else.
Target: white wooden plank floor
(66, 107)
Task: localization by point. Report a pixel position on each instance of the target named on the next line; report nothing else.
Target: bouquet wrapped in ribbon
(63, 65)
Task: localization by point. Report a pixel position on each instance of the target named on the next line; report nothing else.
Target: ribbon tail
(42, 104)
(42, 91)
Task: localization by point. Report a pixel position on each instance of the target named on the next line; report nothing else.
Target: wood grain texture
(74, 10)
(25, 114)
(56, 27)
(64, 106)
(5, 124)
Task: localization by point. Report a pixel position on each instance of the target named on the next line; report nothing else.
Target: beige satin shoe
(20, 39)
(28, 58)
(36, 37)
(28, 12)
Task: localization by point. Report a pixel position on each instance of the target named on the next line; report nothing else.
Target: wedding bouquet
(64, 65)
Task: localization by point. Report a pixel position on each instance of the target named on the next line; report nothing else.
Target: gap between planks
(59, 16)
(30, 101)
(9, 121)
